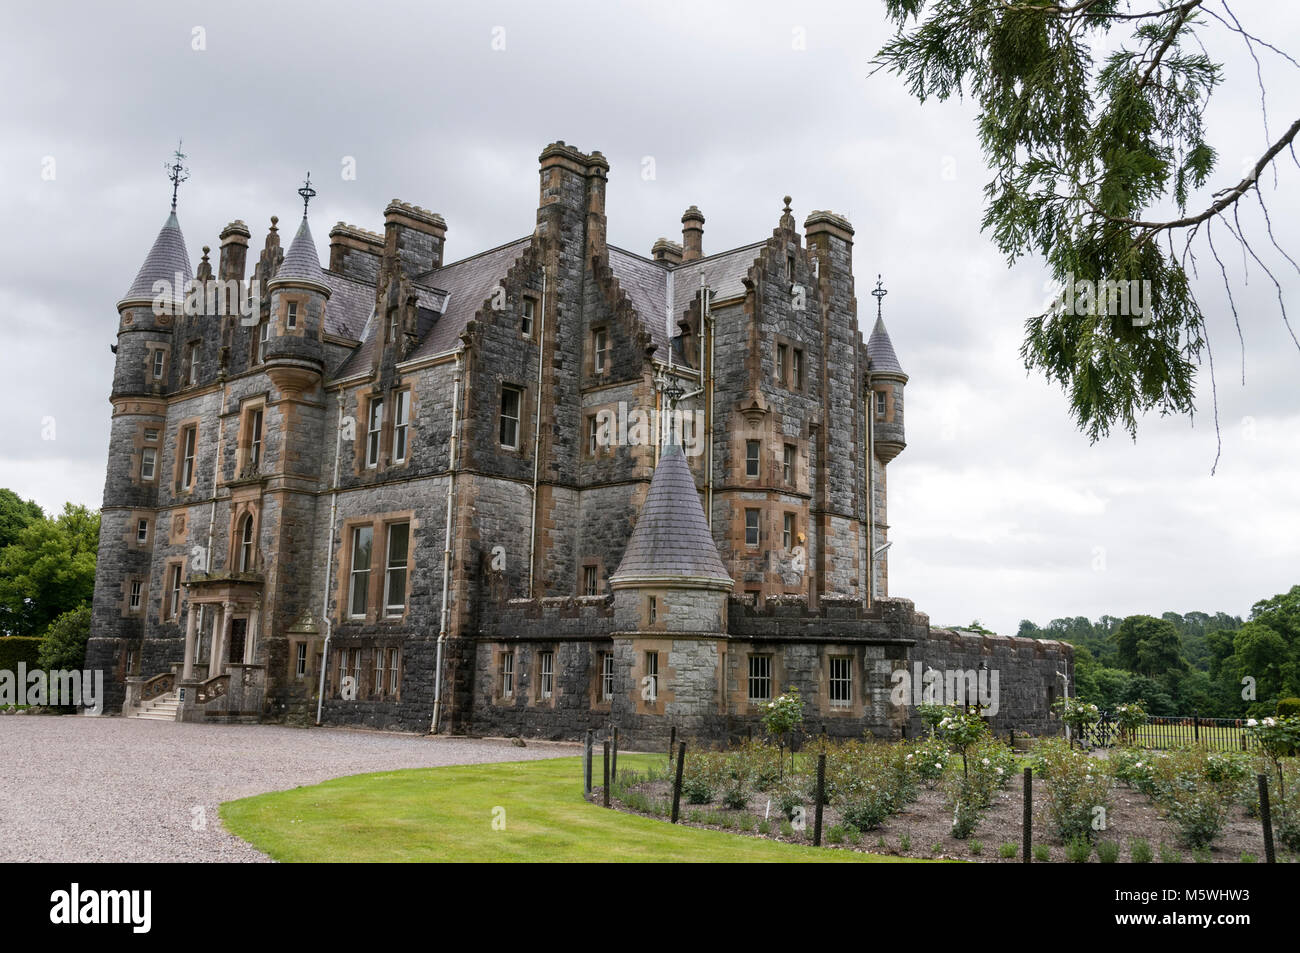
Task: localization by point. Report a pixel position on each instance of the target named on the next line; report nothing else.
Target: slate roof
(350, 306)
(646, 284)
(724, 273)
(167, 257)
(301, 262)
(462, 288)
(671, 537)
(880, 350)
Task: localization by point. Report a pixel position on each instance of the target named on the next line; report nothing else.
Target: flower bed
(958, 794)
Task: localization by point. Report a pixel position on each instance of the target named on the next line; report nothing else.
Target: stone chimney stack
(692, 234)
(415, 236)
(234, 251)
(356, 252)
(670, 253)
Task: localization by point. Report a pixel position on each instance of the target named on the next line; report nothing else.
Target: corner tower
(670, 609)
(144, 365)
(885, 383)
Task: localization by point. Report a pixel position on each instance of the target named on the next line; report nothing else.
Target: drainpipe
(329, 565)
(446, 544)
(708, 427)
(871, 496)
(212, 518)
(537, 438)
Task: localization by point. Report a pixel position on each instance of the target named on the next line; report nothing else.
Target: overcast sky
(999, 508)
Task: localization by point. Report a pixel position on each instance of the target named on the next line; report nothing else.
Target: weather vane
(307, 193)
(879, 294)
(176, 171)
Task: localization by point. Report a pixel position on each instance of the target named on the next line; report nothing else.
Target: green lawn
(446, 814)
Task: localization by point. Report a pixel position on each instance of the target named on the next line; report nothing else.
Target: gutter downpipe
(707, 382)
(537, 438)
(212, 521)
(871, 495)
(329, 566)
(446, 543)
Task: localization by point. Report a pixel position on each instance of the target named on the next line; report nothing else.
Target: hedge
(19, 648)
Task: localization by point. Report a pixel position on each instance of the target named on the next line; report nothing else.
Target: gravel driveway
(80, 789)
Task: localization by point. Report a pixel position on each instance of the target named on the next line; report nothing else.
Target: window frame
(606, 676)
(159, 363)
(759, 673)
(300, 663)
(374, 432)
(401, 425)
(652, 672)
(546, 674)
(506, 669)
(754, 460)
(263, 339)
(246, 560)
(256, 417)
(517, 393)
(189, 455)
(354, 573)
(141, 531)
(599, 350)
(135, 595)
(789, 531)
(149, 462)
(840, 683)
(757, 528)
(881, 404)
(789, 464)
(192, 366)
(527, 317)
(291, 316)
(174, 592)
(390, 570)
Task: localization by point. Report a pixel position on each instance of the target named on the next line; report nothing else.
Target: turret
(147, 315)
(294, 352)
(887, 381)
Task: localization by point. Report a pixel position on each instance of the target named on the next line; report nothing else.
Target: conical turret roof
(301, 263)
(880, 351)
(167, 258)
(671, 539)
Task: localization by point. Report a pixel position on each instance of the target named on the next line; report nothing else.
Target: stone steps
(163, 708)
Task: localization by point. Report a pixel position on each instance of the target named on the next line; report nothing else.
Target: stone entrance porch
(224, 683)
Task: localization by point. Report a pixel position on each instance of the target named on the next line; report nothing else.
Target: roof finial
(176, 171)
(879, 294)
(307, 193)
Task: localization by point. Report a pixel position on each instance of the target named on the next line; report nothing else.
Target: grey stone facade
(393, 394)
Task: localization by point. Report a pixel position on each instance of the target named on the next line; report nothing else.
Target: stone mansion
(550, 486)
